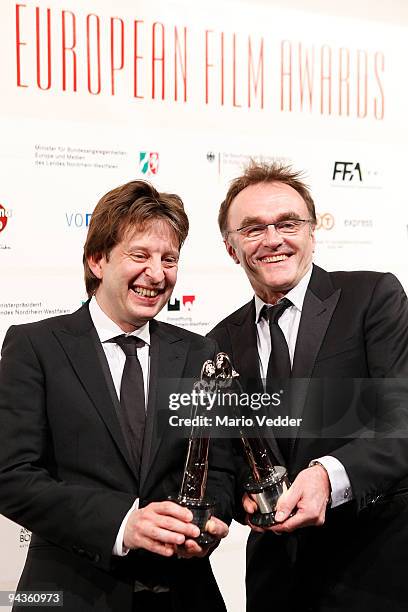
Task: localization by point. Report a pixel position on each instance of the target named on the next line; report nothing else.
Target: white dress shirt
(106, 330)
(341, 491)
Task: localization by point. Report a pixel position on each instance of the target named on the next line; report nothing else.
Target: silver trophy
(193, 486)
(268, 481)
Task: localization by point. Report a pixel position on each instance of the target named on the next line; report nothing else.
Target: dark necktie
(279, 361)
(132, 397)
(279, 370)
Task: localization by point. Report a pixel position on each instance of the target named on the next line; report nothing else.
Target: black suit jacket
(350, 375)
(66, 475)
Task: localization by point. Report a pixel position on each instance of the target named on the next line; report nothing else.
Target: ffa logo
(347, 171)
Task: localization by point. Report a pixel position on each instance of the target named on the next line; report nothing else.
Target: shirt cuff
(341, 491)
(119, 550)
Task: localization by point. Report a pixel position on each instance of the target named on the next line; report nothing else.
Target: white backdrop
(183, 94)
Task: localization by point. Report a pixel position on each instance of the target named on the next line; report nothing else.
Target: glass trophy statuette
(193, 486)
(267, 481)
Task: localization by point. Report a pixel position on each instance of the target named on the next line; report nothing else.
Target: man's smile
(273, 258)
(146, 291)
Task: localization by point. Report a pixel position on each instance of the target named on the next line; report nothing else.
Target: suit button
(97, 557)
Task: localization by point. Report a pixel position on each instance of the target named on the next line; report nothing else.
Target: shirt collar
(295, 295)
(107, 329)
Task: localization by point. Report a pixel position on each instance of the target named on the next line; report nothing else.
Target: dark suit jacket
(350, 375)
(66, 475)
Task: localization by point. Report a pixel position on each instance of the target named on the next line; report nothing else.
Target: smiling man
(340, 341)
(84, 463)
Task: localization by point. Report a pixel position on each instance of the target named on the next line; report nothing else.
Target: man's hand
(191, 549)
(250, 507)
(307, 497)
(159, 527)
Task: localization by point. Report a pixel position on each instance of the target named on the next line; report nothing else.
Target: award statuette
(192, 490)
(267, 481)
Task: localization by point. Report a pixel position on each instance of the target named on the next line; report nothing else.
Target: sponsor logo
(210, 156)
(24, 537)
(358, 223)
(325, 221)
(149, 162)
(354, 175)
(5, 214)
(77, 218)
(347, 171)
(187, 301)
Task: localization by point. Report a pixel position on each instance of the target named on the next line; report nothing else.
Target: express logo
(149, 162)
(324, 221)
(187, 300)
(210, 156)
(5, 214)
(358, 223)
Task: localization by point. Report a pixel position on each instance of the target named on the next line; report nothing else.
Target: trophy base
(202, 511)
(258, 519)
(266, 493)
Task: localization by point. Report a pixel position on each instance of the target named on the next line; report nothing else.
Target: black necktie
(132, 397)
(279, 369)
(279, 361)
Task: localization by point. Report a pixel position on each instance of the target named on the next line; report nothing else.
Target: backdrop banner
(184, 94)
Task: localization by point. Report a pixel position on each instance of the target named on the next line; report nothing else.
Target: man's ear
(231, 251)
(95, 264)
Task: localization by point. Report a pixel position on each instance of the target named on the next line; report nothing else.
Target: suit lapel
(79, 341)
(245, 354)
(318, 307)
(168, 353)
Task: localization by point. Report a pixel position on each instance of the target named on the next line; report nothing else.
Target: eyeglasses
(286, 227)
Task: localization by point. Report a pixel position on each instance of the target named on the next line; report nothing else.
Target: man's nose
(271, 237)
(155, 271)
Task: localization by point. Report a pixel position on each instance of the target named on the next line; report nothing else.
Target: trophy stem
(258, 459)
(196, 469)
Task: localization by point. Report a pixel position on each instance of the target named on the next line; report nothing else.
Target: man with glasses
(340, 341)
